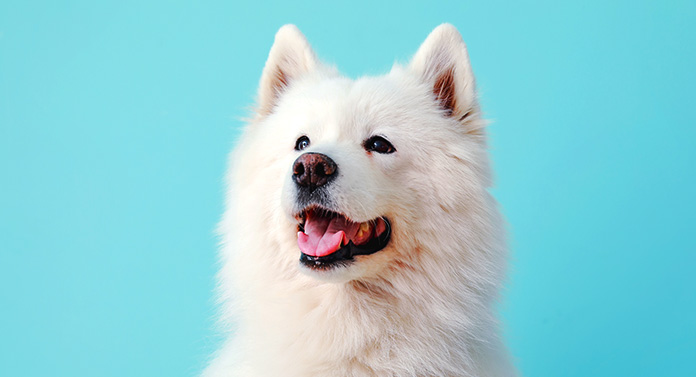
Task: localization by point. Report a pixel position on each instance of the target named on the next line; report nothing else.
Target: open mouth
(328, 238)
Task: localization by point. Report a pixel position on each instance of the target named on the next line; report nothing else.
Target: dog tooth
(365, 227)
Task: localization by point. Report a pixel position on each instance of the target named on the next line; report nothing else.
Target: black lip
(344, 255)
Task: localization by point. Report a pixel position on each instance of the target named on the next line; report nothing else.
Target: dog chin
(337, 274)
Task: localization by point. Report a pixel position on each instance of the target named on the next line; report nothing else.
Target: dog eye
(379, 144)
(301, 143)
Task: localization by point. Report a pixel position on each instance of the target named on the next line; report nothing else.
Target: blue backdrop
(116, 118)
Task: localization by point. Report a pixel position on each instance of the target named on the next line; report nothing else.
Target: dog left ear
(291, 57)
(442, 61)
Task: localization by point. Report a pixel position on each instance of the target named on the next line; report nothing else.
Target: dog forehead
(341, 107)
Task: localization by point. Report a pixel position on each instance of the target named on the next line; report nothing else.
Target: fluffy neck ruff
(423, 317)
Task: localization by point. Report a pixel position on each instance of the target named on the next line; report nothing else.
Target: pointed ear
(290, 57)
(443, 63)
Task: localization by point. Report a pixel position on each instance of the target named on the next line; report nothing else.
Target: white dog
(360, 238)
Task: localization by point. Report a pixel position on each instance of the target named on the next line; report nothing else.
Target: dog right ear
(291, 57)
(442, 62)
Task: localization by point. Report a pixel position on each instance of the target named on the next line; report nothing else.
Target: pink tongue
(323, 235)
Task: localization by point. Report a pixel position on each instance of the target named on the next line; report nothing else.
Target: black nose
(312, 170)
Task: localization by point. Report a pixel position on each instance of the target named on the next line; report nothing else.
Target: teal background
(116, 118)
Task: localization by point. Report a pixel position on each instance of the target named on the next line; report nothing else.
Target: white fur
(424, 305)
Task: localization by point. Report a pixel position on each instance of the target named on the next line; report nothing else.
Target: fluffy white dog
(360, 238)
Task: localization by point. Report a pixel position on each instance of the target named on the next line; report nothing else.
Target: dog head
(348, 178)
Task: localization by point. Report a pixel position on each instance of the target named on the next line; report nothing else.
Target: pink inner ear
(280, 82)
(445, 91)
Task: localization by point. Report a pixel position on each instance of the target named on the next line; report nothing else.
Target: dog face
(362, 172)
